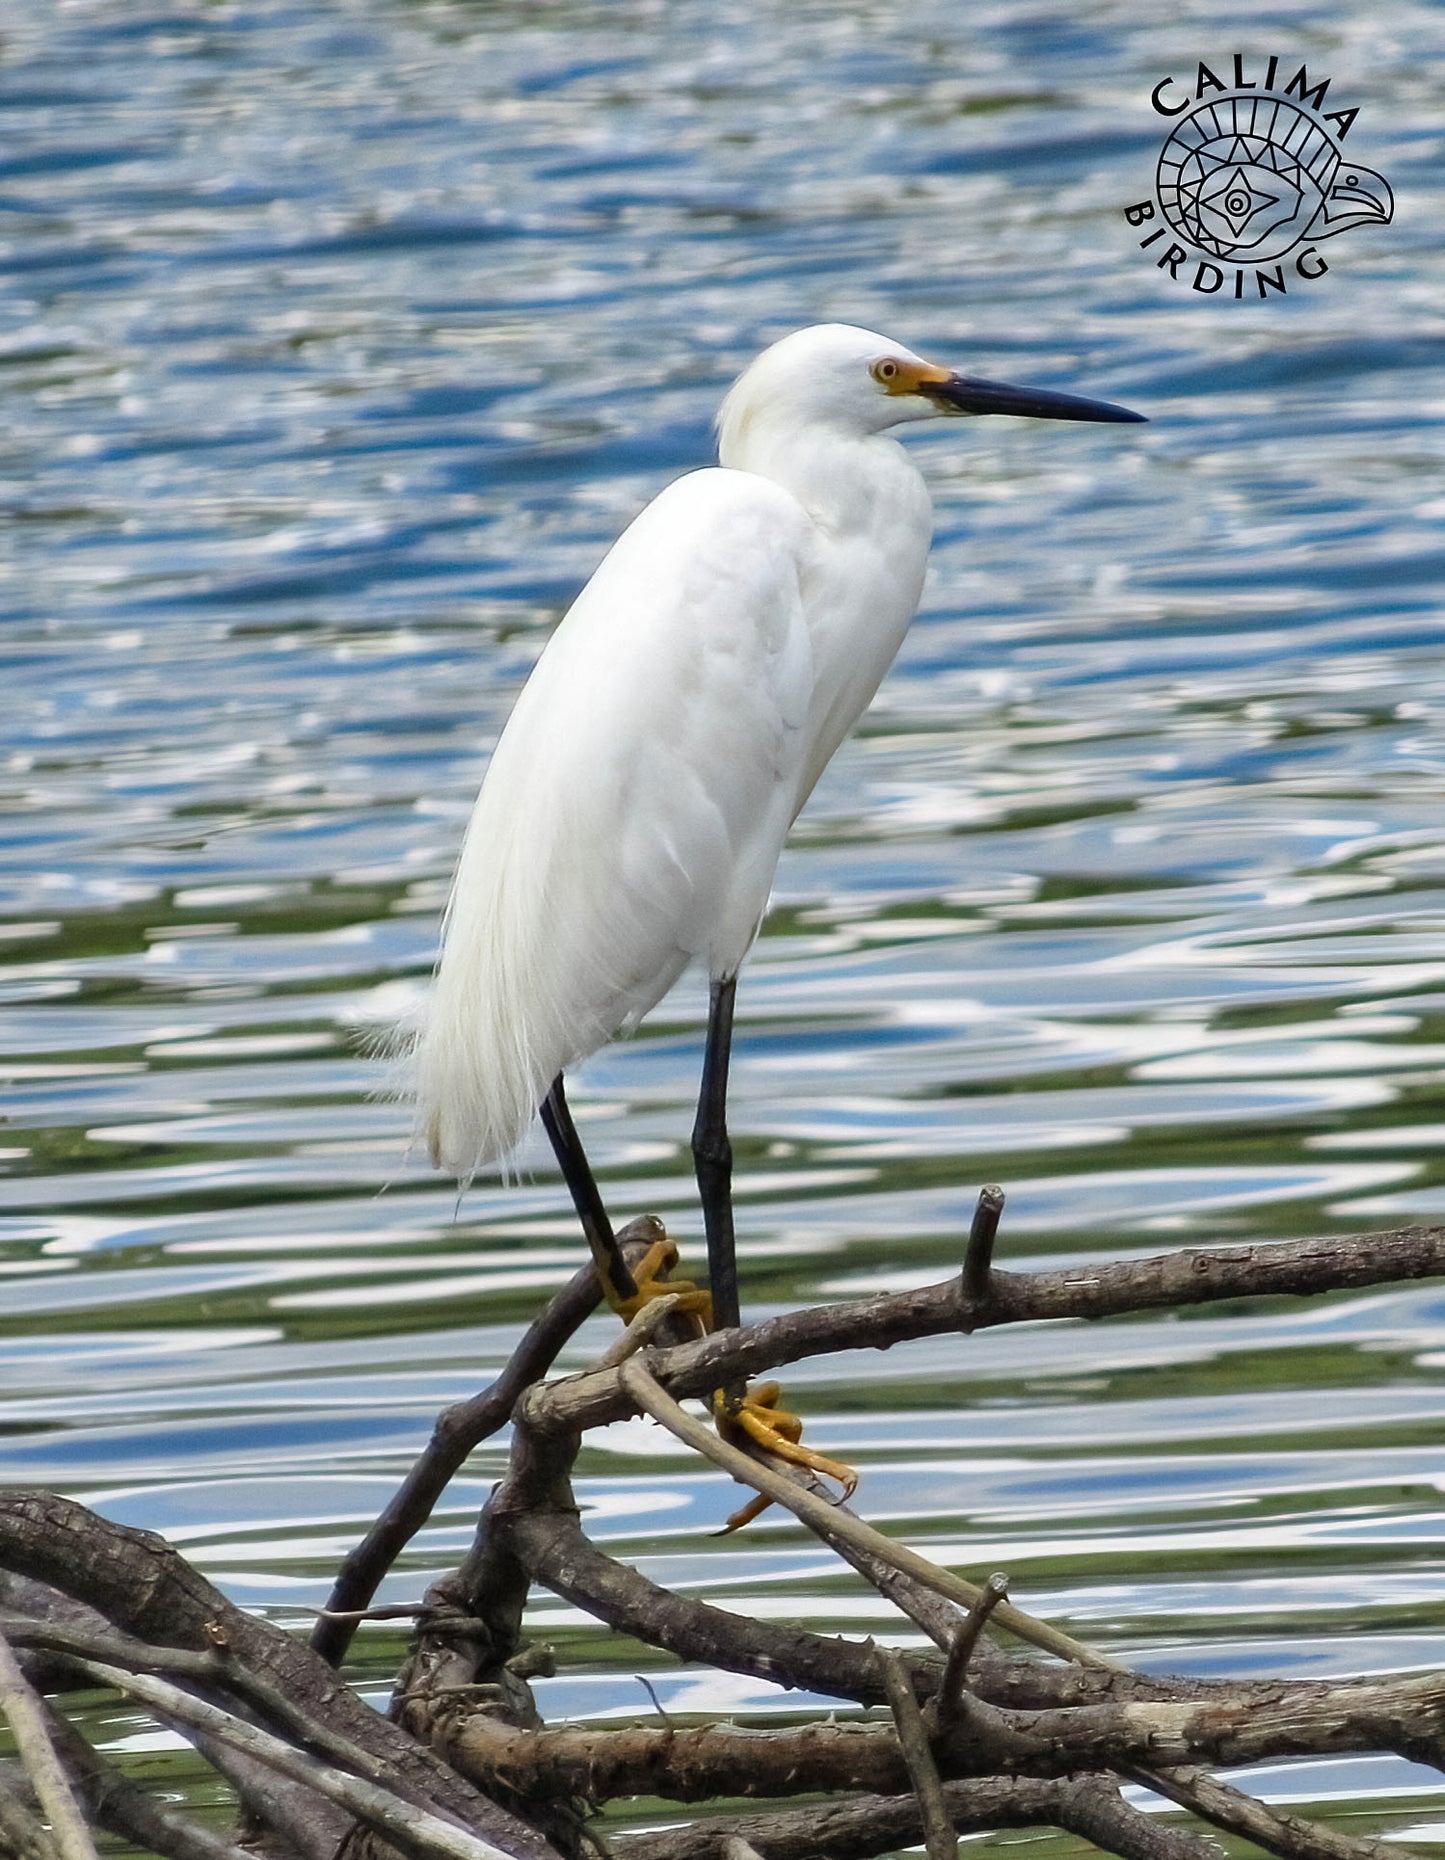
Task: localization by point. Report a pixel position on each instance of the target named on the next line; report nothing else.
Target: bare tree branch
(415, 1830)
(144, 1587)
(22, 1835)
(939, 1840)
(113, 1801)
(1277, 1832)
(298, 1824)
(1190, 1276)
(948, 1703)
(868, 1825)
(1095, 1809)
(458, 1431)
(834, 1523)
(25, 1715)
(213, 1674)
(690, 1764)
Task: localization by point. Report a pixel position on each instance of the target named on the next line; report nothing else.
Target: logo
(1252, 179)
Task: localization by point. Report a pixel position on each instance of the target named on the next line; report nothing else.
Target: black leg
(712, 1156)
(586, 1198)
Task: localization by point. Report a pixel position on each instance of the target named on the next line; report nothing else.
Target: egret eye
(885, 371)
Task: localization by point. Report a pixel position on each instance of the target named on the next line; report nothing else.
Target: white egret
(637, 801)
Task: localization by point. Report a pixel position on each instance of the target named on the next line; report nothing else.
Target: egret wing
(635, 806)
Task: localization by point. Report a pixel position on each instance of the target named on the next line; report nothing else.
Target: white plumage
(634, 809)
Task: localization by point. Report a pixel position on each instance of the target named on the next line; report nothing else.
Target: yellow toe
(757, 1423)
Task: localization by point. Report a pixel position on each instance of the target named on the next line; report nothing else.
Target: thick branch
(145, 1588)
(691, 1765)
(1189, 1277)
(471, 1631)
(553, 1547)
(869, 1825)
(22, 1834)
(1095, 1809)
(1273, 1829)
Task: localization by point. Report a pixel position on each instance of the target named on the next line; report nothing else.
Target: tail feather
(517, 996)
(479, 1070)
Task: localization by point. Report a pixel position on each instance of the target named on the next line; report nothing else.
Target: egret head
(855, 382)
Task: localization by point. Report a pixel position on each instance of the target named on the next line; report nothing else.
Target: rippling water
(337, 342)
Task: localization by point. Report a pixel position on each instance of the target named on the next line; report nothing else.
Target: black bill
(967, 395)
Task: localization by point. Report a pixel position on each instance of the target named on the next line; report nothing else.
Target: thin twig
(267, 1699)
(22, 1835)
(116, 1803)
(939, 1839)
(640, 1332)
(833, 1523)
(415, 1830)
(978, 1254)
(353, 1617)
(26, 1718)
(945, 1707)
(1273, 1829)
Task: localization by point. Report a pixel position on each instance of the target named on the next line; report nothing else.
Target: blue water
(337, 342)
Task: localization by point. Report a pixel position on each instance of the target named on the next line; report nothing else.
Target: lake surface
(337, 343)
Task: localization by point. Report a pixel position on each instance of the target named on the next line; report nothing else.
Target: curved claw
(758, 1423)
(755, 1422)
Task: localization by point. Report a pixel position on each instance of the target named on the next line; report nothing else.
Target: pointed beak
(965, 394)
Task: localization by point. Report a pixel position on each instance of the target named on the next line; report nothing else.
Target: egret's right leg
(624, 1290)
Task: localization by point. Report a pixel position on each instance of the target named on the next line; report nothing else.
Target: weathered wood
(868, 1825)
(1019, 1742)
(24, 1711)
(693, 1764)
(1191, 1276)
(147, 1589)
(458, 1430)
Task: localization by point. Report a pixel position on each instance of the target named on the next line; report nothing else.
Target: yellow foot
(759, 1426)
(649, 1275)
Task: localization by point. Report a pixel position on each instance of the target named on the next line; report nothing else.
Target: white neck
(872, 519)
(846, 481)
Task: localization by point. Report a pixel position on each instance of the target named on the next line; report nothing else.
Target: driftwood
(978, 1735)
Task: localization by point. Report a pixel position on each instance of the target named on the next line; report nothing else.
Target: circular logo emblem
(1252, 177)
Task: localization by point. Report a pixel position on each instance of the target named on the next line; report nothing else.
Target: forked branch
(974, 1737)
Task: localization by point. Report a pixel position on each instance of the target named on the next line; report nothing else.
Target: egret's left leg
(625, 1290)
(747, 1417)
